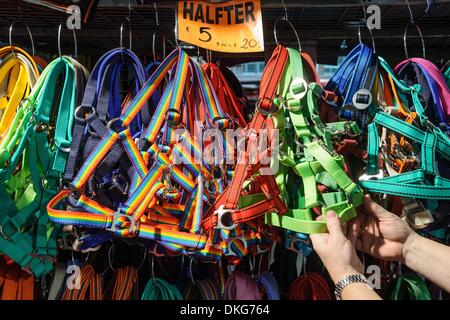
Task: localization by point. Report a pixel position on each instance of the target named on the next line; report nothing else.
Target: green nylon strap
(30, 238)
(327, 161)
(413, 133)
(414, 91)
(373, 146)
(159, 289)
(301, 220)
(309, 184)
(410, 184)
(428, 153)
(447, 76)
(410, 286)
(307, 150)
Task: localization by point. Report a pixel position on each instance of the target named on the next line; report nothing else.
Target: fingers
(353, 230)
(334, 224)
(374, 208)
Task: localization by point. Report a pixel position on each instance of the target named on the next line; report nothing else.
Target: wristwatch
(345, 281)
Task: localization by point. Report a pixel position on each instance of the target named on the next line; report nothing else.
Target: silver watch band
(345, 281)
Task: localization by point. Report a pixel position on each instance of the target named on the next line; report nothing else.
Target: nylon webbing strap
(414, 184)
(307, 152)
(231, 195)
(354, 82)
(35, 165)
(18, 75)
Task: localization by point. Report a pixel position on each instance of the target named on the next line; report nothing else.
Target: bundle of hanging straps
(167, 193)
(157, 164)
(35, 150)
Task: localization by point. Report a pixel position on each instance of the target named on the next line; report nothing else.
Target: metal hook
(29, 33)
(405, 36)
(413, 23)
(73, 258)
(152, 267)
(130, 34)
(252, 264)
(291, 25)
(304, 264)
(411, 18)
(164, 47)
(285, 10)
(111, 248)
(143, 259)
(176, 30)
(364, 10)
(364, 21)
(190, 271)
(121, 37)
(74, 40)
(209, 56)
(156, 14)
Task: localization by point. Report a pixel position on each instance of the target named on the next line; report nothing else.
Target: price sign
(232, 26)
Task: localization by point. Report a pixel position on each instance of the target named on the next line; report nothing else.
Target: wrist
(409, 247)
(337, 274)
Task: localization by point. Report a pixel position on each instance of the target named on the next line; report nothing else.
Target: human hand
(336, 251)
(381, 233)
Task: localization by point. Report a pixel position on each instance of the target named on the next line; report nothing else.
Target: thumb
(374, 208)
(333, 224)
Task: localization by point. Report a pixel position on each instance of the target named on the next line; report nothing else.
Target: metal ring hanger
(405, 33)
(364, 20)
(29, 33)
(285, 19)
(59, 42)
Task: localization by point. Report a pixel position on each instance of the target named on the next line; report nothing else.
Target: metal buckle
(366, 177)
(117, 216)
(362, 99)
(222, 213)
(301, 94)
(111, 125)
(230, 240)
(79, 116)
(3, 234)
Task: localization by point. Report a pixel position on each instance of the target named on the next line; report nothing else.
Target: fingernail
(331, 214)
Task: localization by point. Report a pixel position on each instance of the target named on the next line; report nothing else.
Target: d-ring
(420, 35)
(291, 25)
(74, 40)
(29, 33)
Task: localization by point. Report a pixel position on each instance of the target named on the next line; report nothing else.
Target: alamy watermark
(373, 21)
(73, 280)
(73, 22)
(217, 147)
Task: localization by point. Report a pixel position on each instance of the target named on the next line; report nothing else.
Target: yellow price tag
(232, 26)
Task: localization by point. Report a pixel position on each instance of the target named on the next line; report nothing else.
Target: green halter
(33, 158)
(307, 150)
